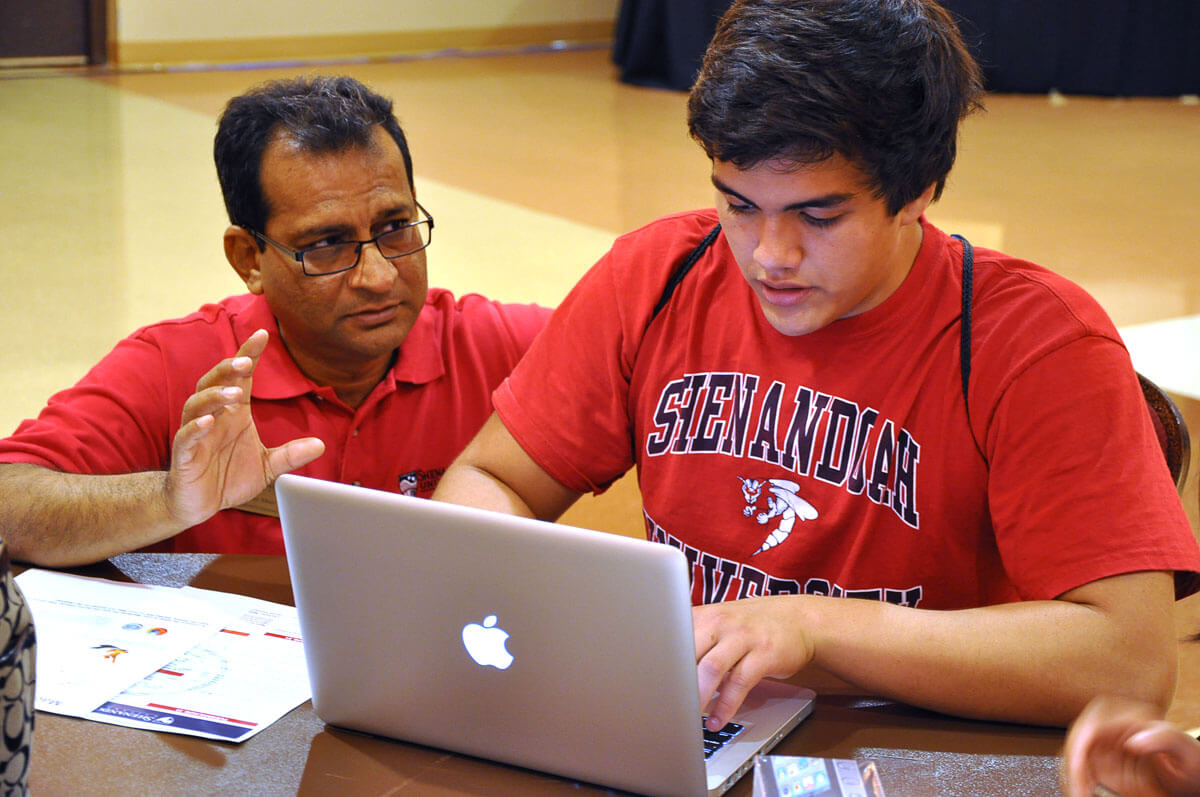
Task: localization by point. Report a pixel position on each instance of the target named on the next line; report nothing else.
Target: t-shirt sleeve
(483, 340)
(566, 403)
(522, 323)
(1078, 486)
(116, 419)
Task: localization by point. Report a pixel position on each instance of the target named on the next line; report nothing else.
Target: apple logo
(485, 643)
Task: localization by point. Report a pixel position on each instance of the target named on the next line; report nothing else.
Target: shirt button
(354, 433)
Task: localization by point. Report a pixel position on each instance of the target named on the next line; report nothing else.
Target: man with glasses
(339, 363)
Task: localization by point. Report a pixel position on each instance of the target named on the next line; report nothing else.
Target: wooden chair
(1171, 430)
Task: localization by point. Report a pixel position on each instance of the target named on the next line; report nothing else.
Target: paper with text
(97, 637)
(230, 686)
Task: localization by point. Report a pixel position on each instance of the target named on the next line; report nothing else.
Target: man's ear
(913, 211)
(242, 252)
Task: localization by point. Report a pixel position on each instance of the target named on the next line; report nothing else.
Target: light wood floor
(531, 164)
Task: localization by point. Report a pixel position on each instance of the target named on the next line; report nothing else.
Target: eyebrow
(825, 201)
(321, 232)
(406, 209)
(403, 209)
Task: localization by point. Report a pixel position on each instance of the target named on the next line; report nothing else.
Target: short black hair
(322, 114)
(883, 83)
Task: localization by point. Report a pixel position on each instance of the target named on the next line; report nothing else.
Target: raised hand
(218, 460)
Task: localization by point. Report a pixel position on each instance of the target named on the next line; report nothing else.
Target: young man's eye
(818, 221)
(739, 208)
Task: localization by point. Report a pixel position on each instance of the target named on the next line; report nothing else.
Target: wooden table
(918, 752)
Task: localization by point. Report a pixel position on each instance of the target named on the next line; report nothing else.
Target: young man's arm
(217, 461)
(494, 472)
(1036, 661)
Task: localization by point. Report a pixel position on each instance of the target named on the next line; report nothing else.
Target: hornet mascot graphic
(782, 503)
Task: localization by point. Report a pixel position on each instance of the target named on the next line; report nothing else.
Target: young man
(173, 440)
(799, 409)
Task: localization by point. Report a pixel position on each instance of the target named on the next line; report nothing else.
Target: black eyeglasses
(325, 259)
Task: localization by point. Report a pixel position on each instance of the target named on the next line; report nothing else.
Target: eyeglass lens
(393, 244)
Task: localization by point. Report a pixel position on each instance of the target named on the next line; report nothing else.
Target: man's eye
(323, 243)
(819, 222)
(739, 208)
(392, 225)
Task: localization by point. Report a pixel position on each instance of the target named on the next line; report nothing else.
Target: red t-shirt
(123, 415)
(841, 462)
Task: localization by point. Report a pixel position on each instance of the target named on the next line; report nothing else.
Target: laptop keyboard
(715, 740)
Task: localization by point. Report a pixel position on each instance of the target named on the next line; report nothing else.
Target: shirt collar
(277, 376)
(421, 357)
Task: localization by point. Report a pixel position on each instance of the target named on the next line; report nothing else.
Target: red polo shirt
(122, 416)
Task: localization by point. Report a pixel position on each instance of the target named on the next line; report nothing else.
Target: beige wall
(238, 30)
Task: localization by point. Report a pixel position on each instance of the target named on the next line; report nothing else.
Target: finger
(721, 674)
(211, 401)
(710, 669)
(1078, 774)
(183, 448)
(293, 454)
(255, 345)
(246, 360)
(733, 690)
(1076, 766)
(1163, 737)
(704, 633)
(232, 371)
(239, 368)
(181, 495)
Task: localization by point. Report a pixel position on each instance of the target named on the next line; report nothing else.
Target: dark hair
(320, 114)
(883, 83)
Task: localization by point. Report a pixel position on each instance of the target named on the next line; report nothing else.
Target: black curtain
(660, 43)
(1108, 47)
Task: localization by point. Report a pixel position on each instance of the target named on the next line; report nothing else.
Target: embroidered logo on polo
(419, 482)
(812, 434)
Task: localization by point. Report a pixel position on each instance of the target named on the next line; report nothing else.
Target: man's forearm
(1037, 661)
(63, 519)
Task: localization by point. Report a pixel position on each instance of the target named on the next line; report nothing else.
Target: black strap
(968, 271)
(681, 271)
(968, 267)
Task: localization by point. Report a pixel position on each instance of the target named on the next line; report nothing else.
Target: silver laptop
(536, 644)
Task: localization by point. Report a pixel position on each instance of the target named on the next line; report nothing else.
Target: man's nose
(374, 271)
(779, 246)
